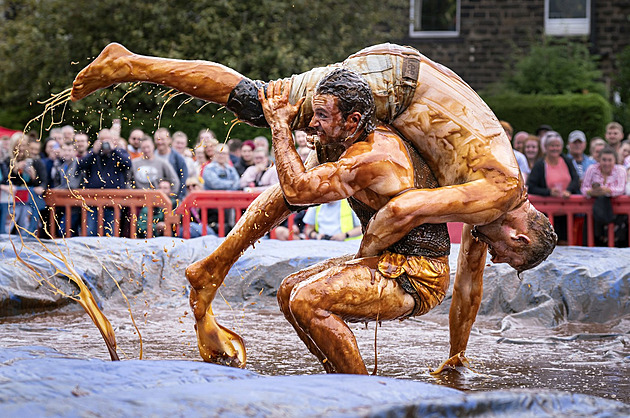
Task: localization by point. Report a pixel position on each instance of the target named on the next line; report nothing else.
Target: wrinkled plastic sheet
(38, 381)
(576, 284)
(584, 285)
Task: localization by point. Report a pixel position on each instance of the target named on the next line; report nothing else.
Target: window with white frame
(567, 17)
(434, 18)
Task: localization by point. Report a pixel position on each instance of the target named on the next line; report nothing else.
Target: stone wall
(492, 30)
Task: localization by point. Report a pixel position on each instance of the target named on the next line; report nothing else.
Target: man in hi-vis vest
(333, 221)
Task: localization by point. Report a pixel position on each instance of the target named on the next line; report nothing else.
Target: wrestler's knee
(193, 275)
(306, 302)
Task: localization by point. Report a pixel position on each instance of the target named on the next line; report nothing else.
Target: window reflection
(434, 18)
(567, 9)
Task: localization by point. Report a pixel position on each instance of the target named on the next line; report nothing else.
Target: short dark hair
(234, 144)
(544, 240)
(543, 128)
(353, 94)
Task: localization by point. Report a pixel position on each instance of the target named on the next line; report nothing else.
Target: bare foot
(107, 69)
(458, 361)
(217, 344)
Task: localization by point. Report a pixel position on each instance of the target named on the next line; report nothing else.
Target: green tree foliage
(556, 67)
(44, 43)
(622, 80)
(549, 84)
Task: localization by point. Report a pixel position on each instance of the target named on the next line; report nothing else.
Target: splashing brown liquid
(84, 297)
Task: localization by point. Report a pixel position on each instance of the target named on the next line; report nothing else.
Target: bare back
(446, 121)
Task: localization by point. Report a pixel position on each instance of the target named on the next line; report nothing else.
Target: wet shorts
(426, 279)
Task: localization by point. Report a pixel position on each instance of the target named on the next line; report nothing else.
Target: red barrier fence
(99, 199)
(227, 203)
(579, 211)
(231, 204)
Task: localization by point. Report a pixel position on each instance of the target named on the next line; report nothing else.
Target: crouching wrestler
(367, 165)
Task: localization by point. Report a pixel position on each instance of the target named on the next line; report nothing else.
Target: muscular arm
(477, 203)
(327, 182)
(467, 290)
(467, 293)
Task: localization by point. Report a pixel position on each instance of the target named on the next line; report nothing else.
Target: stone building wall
(491, 31)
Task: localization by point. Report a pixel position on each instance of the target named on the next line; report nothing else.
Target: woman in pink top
(602, 181)
(554, 175)
(605, 178)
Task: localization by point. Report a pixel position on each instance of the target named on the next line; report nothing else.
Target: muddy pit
(520, 340)
(590, 360)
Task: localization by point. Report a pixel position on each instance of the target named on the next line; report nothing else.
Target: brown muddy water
(587, 359)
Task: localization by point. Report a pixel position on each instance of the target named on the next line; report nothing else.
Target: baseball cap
(577, 136)
(543, 128)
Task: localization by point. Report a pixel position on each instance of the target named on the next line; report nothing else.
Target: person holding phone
(602, 181)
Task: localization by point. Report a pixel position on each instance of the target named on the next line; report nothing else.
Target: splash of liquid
(169, 96)
(233, 124)
(57, 259)
(61, 263)
(84, 298)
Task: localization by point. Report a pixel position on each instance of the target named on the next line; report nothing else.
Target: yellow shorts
(426, 279)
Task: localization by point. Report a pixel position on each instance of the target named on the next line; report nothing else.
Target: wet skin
(452, 128)
(318, 301)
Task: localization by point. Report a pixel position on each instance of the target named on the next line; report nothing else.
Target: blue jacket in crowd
(218, 177)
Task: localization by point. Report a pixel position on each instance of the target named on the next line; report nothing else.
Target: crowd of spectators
(553, 167)
(70, 159)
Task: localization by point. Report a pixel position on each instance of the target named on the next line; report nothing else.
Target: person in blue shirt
(163, 148)
(219, 174)
(576, 147)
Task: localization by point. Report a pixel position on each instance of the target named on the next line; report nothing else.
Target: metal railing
(227, 203)
(575, 207)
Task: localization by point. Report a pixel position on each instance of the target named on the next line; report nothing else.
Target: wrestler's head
(343, 107)
(523, 237)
